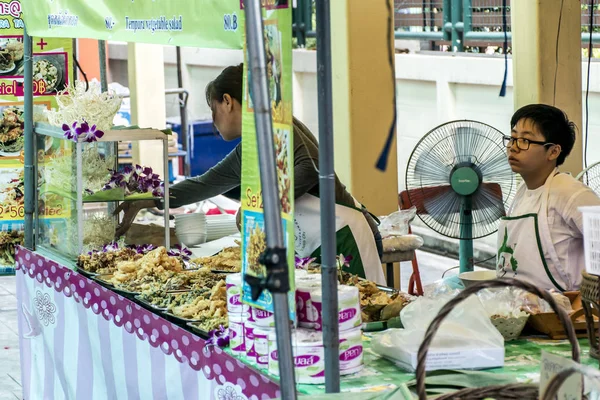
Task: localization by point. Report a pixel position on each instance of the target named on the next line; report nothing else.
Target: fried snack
(106, 262)
(393, 309)
(230, 259)
(375, 304)
(256, 246)
(155, 266)
(205, 304)
(197, 282)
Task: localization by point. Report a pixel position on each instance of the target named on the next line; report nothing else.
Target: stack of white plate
(219, 226)
(190, 229)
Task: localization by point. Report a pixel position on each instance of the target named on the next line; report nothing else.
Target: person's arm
(221, 178)
(573, 217)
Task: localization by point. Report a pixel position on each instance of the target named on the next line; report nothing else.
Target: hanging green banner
(204, 24)
(52, 72)
(278, 45)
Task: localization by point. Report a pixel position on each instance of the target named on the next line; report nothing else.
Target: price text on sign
(12, 212)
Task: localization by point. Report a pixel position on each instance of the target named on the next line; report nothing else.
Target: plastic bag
(504, 302)
(534, 305)
(467, 339)
(441, 288)
(402, 243)
(396, 224)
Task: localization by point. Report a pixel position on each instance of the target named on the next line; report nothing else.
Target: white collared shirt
(565, 221)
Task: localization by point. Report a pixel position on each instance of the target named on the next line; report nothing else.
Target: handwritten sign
(552, 364)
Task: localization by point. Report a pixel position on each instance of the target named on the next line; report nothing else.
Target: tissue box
(452, 358)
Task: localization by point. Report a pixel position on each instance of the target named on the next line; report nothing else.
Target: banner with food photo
(52, 73)
(278, 47)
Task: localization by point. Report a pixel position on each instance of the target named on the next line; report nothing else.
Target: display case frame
(43, 133)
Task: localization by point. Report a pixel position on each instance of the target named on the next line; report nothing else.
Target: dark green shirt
(227, 175)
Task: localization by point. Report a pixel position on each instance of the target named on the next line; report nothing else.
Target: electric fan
(591, 177)
(459, 179)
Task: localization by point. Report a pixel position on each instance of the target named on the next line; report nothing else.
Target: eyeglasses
(522, 143)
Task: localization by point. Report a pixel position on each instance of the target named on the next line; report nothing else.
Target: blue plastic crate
(209, 147)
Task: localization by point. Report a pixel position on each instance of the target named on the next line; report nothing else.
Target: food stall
(147, 321)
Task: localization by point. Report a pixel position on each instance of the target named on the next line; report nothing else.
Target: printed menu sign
(206, 24)
(552, 365)
(278, 45)
(52, 66)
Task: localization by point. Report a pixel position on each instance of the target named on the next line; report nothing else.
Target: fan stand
(465, 180)
(465, 245)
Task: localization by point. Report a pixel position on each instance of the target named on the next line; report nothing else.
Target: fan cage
(428, 178)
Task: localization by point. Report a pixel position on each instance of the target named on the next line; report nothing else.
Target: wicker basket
(510, 328)
(590, 298)
(502, 392)
(557, 381)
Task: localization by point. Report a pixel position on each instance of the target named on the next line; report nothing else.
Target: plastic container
(591, 238)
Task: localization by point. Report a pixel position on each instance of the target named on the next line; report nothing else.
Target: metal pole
(183, 116)
(457, 36)
(74, 58)
(327, 195)
(29, 173)
(111, 149)
(166, 198)
(102, 59)
(268, 179)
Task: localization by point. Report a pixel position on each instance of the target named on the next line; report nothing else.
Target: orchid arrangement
(77, 130)
(134, 180)
(116, 246)
(305, 262)
(181, 252)
(218, 337)
(143, 248)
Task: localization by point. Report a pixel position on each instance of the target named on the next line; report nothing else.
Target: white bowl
(472, 277)
(191, 239)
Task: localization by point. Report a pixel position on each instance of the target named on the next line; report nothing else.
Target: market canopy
(203, 24)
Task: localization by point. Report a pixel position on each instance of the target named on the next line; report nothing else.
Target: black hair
(553, 124)
(229, 81)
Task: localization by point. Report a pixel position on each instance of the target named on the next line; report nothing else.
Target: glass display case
(80, 186)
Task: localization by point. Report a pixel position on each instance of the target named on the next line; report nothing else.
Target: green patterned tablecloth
(522, 364)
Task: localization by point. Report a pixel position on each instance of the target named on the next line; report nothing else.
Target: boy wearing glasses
(541, 239)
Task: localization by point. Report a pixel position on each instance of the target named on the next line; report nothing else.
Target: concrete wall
(432, 88)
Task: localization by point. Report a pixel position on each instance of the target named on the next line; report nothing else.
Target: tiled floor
(431, 266)
(10, 371)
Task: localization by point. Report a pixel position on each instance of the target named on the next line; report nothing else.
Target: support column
(147, 85)
(363, 93)
(535, 29)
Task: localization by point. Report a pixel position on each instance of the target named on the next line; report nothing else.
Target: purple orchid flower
(343, 261)
(70, 132)
(158, 192)
(110, 185)
(147, 171)
(304, 263)
(114, 246)
(218, 337)
(181, 252)
(93, 134)
(127, 174)
(139, 170)
(143, 248)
